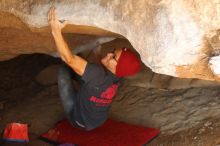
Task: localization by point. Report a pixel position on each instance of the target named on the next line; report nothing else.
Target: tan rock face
(173, 37)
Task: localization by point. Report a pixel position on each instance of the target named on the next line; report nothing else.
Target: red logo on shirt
(106, 96)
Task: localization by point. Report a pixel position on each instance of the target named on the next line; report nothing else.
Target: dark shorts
(68, 95)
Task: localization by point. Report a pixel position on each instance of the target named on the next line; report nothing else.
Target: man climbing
(87, 107)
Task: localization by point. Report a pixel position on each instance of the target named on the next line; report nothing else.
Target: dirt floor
(24, 100)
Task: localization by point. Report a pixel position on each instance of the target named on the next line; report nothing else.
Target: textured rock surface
(173, 37)
(170, 110)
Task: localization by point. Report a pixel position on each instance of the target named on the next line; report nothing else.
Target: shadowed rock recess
(174, 38)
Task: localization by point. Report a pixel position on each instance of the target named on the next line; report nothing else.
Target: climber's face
(111, 59)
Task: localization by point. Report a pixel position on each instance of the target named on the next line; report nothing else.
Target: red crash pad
(112, 133)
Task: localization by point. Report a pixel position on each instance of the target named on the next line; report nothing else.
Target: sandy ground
(24, 100)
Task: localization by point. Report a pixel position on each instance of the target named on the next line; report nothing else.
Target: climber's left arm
(77, 63)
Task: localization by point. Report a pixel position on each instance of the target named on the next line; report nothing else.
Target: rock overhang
(172, 37)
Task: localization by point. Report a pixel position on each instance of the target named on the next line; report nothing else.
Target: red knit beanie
(128, 64)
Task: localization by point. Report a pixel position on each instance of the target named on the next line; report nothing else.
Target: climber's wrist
(56, 33)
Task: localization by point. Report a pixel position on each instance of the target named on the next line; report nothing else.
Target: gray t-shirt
(96, 94)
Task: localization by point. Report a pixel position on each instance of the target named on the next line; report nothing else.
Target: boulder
(174, 37)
